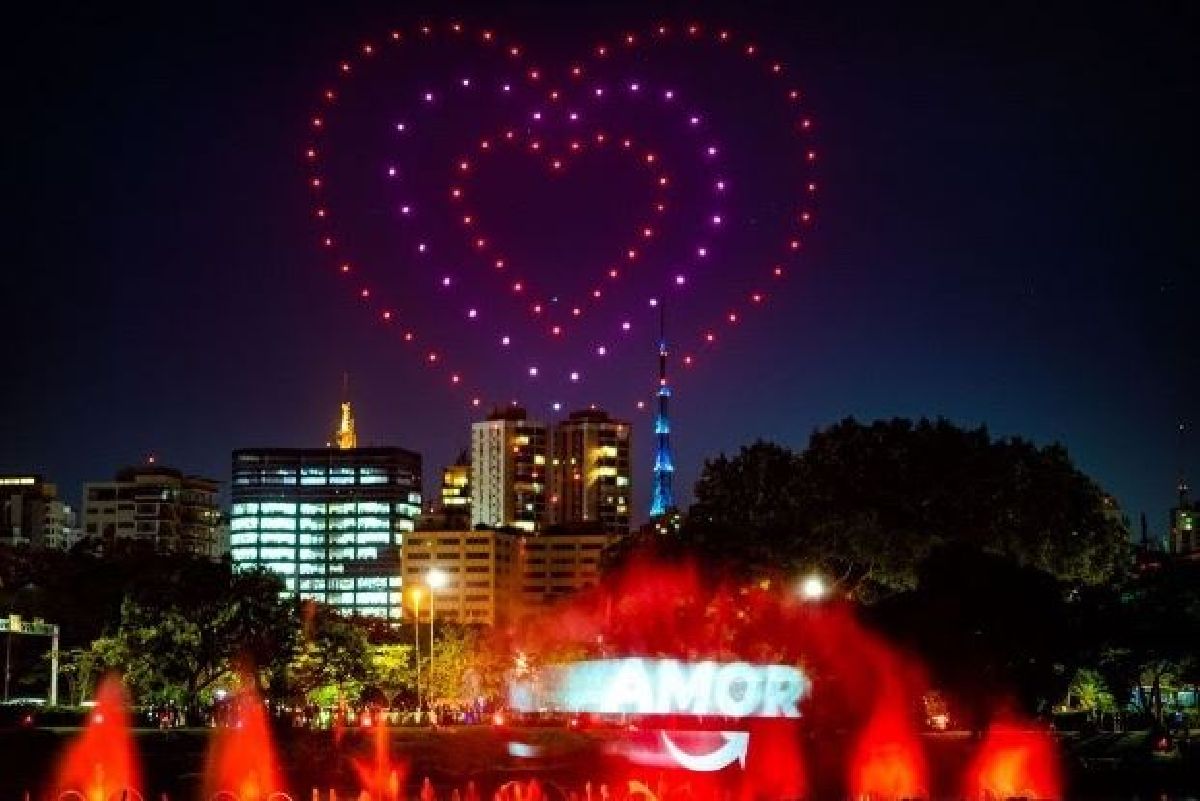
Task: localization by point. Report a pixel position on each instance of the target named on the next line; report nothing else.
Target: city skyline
(956, 270)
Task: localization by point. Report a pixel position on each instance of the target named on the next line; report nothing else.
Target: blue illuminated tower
(664, 465)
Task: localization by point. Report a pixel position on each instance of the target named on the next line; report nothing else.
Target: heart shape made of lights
(422, 221)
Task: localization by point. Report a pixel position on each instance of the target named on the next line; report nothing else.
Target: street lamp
(813, 588)
(436, 579)
(416, 596)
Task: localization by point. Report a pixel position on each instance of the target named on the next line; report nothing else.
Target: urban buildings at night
(157, 505)
(508, 471)
(481, 569)
(330, 522)
(454, 504)
(32, 515)
(589, 476)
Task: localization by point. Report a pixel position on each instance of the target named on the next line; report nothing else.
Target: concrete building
(454, 505)
(32, 515)
(590, 476)
(153, 504)
(480, 569)
(508, 471)
(330, 522)
(558, 563)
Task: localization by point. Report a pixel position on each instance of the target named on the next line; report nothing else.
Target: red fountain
(1014, 761)
(102, 763)
(241, 758)
(379, 779)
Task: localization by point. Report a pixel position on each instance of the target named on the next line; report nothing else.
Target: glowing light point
(505, 340)
(694, 120)
(533, 371)
(716, 219)
(625, 326)
(400, 127)
(433, 357)
(406, 209)
(668, 95)
(387, 315)
(466, 82)
(537, 115)
(733, 317)
(712, 151)
(507, 87)
(702, 252)
(391, 172)
(446, 281)
(710, 337)
(633, 87)
(653, 302)
(574, 375)
(472, 313)
(680, 280)
(421, 248)
(556, 406)
(813, 588)
(475, 401)
(601, 351)
(429, 97)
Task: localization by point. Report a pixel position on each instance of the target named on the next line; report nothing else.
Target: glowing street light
(813, 588)
(415, 592)
(435, 579)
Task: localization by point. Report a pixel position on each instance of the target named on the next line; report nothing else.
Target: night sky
(999, 237)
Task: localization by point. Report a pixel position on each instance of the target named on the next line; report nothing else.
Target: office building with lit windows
(508, 471)
(589, 475)
(330, 522)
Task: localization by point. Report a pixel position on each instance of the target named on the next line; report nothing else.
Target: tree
(393, 671)
(332, 662)
(191, 623)
(987, 628)
(868, 503)
(1147, 634)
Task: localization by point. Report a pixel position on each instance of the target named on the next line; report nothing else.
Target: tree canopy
(868, 502)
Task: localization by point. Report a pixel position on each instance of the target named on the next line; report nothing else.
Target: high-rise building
(153, 504)
(508, 471)
(31, 514)
(663, 497)
(455, 502)
(589, 476)
(481, 574)
(330, 522)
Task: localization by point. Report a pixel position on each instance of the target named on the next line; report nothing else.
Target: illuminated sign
(641, 686)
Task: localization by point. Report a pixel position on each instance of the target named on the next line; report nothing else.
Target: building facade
(508, 471)
(454, 505)
(32, 515)
(590, 476)
(330, 522)
(559, 563)
(481, 574)
(156, 505)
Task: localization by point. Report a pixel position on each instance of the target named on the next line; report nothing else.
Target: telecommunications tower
(664, 466)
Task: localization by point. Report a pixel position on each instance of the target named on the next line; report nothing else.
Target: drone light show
(477, 200)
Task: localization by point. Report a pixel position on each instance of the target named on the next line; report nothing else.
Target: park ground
(1100, 767)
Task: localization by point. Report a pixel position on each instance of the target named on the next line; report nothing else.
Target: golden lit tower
(344, 437)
